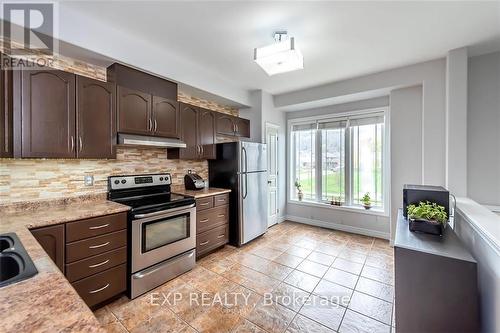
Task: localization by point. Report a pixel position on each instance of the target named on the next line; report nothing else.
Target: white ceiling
(339, 40)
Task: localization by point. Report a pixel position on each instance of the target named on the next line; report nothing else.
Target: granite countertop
(206, 192)
(47, 302)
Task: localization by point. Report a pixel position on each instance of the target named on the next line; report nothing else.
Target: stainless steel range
(162, 229)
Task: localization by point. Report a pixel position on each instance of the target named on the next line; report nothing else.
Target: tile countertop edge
(47, 301)
(203, 193)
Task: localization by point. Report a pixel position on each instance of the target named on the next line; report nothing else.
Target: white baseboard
(281, 218)
(336, 226)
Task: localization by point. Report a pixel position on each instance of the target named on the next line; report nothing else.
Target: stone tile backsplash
(33, 179)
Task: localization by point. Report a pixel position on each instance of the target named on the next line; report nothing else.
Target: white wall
(262, 112)
(483, 130)
(406, 121)
(456, 121)
(417, 133)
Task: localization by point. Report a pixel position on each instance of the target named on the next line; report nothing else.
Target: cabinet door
(206, 133)
(134, 112)
(52, 241)
(242, 127)
(165, 117)
(6, 95)
(189, 132)
(48, 113)
(96, 118)
(225, 124)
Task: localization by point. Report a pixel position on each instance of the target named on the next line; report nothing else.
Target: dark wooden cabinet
(189, 132)
(232, 126)
(242, 127)
(96, 119)
(206, 133)
(52, 241)
(165, 117)
(134, 111)
(48, 114)
(225, 124)
(6, 137)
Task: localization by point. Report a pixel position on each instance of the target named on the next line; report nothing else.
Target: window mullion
(319, 166)
(348, 165)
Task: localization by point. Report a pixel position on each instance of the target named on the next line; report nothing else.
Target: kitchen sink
(15, 263)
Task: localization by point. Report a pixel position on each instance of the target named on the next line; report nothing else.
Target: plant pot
(427, 226)
(300, 195)
(367, 206)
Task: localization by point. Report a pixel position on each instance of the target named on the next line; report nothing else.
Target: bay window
(339, 158)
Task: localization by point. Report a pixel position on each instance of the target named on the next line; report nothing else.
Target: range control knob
(123, 181)
(117, 182)
(161, 179)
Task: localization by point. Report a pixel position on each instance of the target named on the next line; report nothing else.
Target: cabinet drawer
(95, 245)
(212, 239)
(102, 286)
(210, 218)
(95, 226)
(101, 262)
(221, 199)
(204, 203)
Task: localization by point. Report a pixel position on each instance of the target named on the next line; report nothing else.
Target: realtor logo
(28, 28)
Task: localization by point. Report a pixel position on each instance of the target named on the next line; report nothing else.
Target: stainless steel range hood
(150, 141)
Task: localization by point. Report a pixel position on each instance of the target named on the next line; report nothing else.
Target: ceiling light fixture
(281, 57)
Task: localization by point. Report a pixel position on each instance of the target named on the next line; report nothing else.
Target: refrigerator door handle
(246, 159)
(246, 186)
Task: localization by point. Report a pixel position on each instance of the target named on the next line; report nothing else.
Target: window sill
(351, 209)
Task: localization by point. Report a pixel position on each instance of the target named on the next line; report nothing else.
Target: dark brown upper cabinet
(197, 132)
(6, 137)
(147, 104)
(96, 119)
(52, 241)
(232, 126)
(165, 117)
(47, 114)
(134, 111)
(206, 133)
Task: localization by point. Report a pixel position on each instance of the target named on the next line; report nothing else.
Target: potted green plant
(367, 201)
(427, 217)
(300, 195)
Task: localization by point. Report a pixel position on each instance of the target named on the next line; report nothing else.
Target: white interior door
(272, 168)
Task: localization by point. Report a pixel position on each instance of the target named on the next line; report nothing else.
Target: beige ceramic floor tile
(302, 280)
(288, 260)
(303, 324)
(341, 277)
(376, 289)
(313, 268)
(371, 307)
(323, 312)
(356, 323)
(321, 258)
(162, 322)
(348, 266)
(289, 296)
(247, 327)
(353, 256)
(335, 293)
(298, 251)
(216, 319)
(242, 300)
(378, 274)
(271, 317)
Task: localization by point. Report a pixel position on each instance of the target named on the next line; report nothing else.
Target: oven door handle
(161, 212)
(157, 267)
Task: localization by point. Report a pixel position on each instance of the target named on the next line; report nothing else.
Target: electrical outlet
(88, 180)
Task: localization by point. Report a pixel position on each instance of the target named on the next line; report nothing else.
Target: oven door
(162, 235)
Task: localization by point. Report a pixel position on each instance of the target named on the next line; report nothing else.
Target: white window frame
(318, 172)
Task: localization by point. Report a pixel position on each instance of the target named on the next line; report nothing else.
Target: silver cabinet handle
(156, 125)
(204, 243)
(237, 129)
(99, 226)
(221, 215)
(98, 246)
(150, 124)
(220, 236)
(221, 199)
(81, 143)
(202, 150)
(99, 264)
(204, 204)
(72, 143)
(204, 220)
(98, 290)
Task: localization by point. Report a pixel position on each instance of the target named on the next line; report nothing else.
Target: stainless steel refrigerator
(242, 167)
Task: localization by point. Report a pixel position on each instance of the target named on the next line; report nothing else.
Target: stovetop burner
(145, 193)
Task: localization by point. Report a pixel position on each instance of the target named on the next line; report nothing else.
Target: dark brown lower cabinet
(212, 223)
(96, 255)
(6, 138)
(52, 241)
